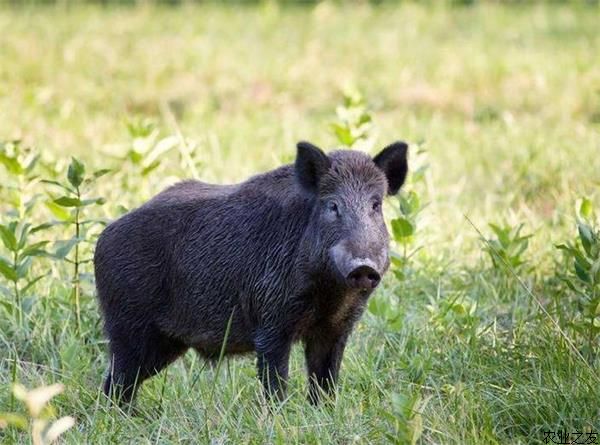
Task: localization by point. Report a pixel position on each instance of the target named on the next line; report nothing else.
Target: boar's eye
(333, 207)
(377, 204)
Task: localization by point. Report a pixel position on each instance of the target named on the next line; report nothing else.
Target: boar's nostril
(363, 277)
(375, 279)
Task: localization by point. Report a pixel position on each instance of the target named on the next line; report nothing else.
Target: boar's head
(347, 231)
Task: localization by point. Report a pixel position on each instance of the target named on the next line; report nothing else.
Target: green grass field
(467, 341)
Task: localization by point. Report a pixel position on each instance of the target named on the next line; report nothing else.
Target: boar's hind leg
(136, 357)
(323, 360)
(273, 352)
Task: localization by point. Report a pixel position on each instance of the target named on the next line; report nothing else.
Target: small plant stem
(17, 292)
(162, 390)
(14, 380)
(592, 336)
(76, 290)
(21, 201)
(591, 340)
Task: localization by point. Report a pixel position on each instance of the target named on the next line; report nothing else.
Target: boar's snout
(357, 271)
(363, 277)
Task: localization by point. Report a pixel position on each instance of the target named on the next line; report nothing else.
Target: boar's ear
(392, 161)
(311, 163)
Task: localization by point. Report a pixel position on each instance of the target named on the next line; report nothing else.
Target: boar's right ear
(310, 165)
(392, 161)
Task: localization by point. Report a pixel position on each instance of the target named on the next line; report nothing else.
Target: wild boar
(288, 255)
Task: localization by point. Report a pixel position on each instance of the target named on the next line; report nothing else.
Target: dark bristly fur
(289, 255)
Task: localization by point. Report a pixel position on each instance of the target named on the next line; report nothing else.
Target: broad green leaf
(581, 273)
(87, 202)
(139, 128)
(414, 200)
(58, 184)
(567, 248)
(586, 208)
(365, 118)
(134, 156)
(399, 274)
(522, 246)
(406, 206)
(24, 234)
(569, 284)
(397, 260)
(8, 237)
(66, 201)
(23, 267)
(150, 168)
(11, 164)
(581, 260)
(59, 212)
(343, 134)
(458, 308)
(76, 172)
(586, 235)
(45, 226)
(402, 228)
(64, 247)
(395, 324)
(377, 306)
(576, 254)
(7, 270)
(35, 249)
(502, 234)
(98, 173)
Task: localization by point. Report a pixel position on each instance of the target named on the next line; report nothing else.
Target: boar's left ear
(392, 161)
(310, 165)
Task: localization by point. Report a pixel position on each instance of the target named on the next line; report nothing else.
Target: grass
(506, 101)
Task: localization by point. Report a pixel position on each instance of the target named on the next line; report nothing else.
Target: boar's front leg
(323, 360)
(273, 352)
